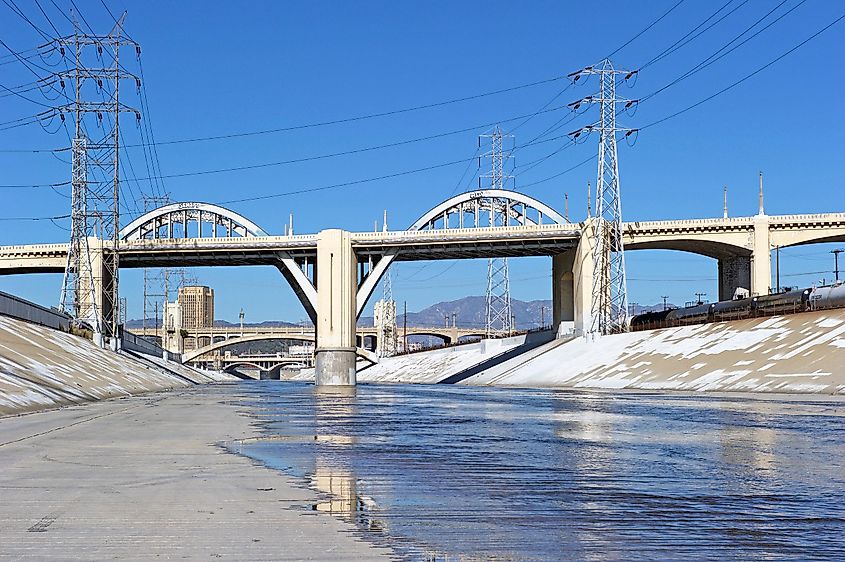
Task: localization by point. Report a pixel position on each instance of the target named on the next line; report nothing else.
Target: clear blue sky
(214, 68)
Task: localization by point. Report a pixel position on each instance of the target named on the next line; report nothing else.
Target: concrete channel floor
(144, 478)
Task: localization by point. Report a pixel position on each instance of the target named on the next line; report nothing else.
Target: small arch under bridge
(196, 354)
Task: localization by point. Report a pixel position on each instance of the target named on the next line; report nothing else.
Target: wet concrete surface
(148, 478)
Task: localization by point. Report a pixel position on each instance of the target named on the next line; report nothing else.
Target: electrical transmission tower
(156, 281)
(95, 198)
(385, 315)
(609, 306)
(499, 315)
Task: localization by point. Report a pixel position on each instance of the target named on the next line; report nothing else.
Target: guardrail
(16, 307)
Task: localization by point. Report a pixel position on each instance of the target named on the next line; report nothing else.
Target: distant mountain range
(470, 312)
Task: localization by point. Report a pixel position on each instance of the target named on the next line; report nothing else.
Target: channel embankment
(799, 353)
(41, 367)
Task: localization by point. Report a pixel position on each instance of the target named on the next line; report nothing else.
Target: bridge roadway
(513, 241)
(352, 263)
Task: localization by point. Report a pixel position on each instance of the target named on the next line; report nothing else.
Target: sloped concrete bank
(44, 368)
(800, 353)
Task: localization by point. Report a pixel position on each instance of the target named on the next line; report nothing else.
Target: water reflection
(476, 473)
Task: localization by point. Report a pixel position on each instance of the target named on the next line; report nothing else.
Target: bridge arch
(194, 354)
(173, 222)
(480, 205)
(176, 218)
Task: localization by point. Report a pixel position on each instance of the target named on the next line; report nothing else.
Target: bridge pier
(337, 284)
(761, 258)
(734, 273)
(92, 290)
(572, 285)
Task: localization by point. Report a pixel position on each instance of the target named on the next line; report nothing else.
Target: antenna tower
(609, 305)
(498, 318)
(95, 197)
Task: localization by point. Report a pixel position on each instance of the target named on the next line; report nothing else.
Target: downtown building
(193, 310)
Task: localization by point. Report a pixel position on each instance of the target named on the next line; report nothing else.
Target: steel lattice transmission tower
(155, 280)
(78, 296)
(95, 196)
(498, 314)
(385, 315)
(609, 305)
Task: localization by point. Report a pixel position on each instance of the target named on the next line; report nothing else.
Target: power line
(646, 28)
(713, 57)
(686, 39)
(57, 217)
(747, 76)
(358, 117)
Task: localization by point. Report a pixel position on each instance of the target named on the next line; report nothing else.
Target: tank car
(731, 310)
(791, 301)
(650, 320)
(691, 315)
(832, 296)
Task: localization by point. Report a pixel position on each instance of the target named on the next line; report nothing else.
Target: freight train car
(787, 302)
(828, 297)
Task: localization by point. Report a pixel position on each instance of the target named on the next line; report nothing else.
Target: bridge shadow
(532, 341)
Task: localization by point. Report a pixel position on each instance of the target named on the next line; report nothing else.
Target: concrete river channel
(449, 473)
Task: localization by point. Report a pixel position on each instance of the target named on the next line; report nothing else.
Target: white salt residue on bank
(43, 368)
(428, 367)
(799, 353)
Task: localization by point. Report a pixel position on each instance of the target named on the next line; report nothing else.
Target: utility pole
(566, 206)
(699, 296)
(498, 310)
(836, 253)
(93, 199)
(665, 298)
(609, 303)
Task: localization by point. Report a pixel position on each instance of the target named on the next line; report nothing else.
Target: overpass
(352, 263)
(366, 336)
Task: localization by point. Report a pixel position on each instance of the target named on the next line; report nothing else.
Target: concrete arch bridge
(350, 264)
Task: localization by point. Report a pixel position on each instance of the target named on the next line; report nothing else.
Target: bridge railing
(392, 234)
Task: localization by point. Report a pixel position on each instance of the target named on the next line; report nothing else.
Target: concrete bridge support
(572, 285)
(337, 284)
(761, 258)
(734, 272)
(95, 287)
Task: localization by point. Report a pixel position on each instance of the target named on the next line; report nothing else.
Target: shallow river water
(452, 472)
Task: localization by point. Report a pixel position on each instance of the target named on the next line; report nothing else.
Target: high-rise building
(196, 306)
